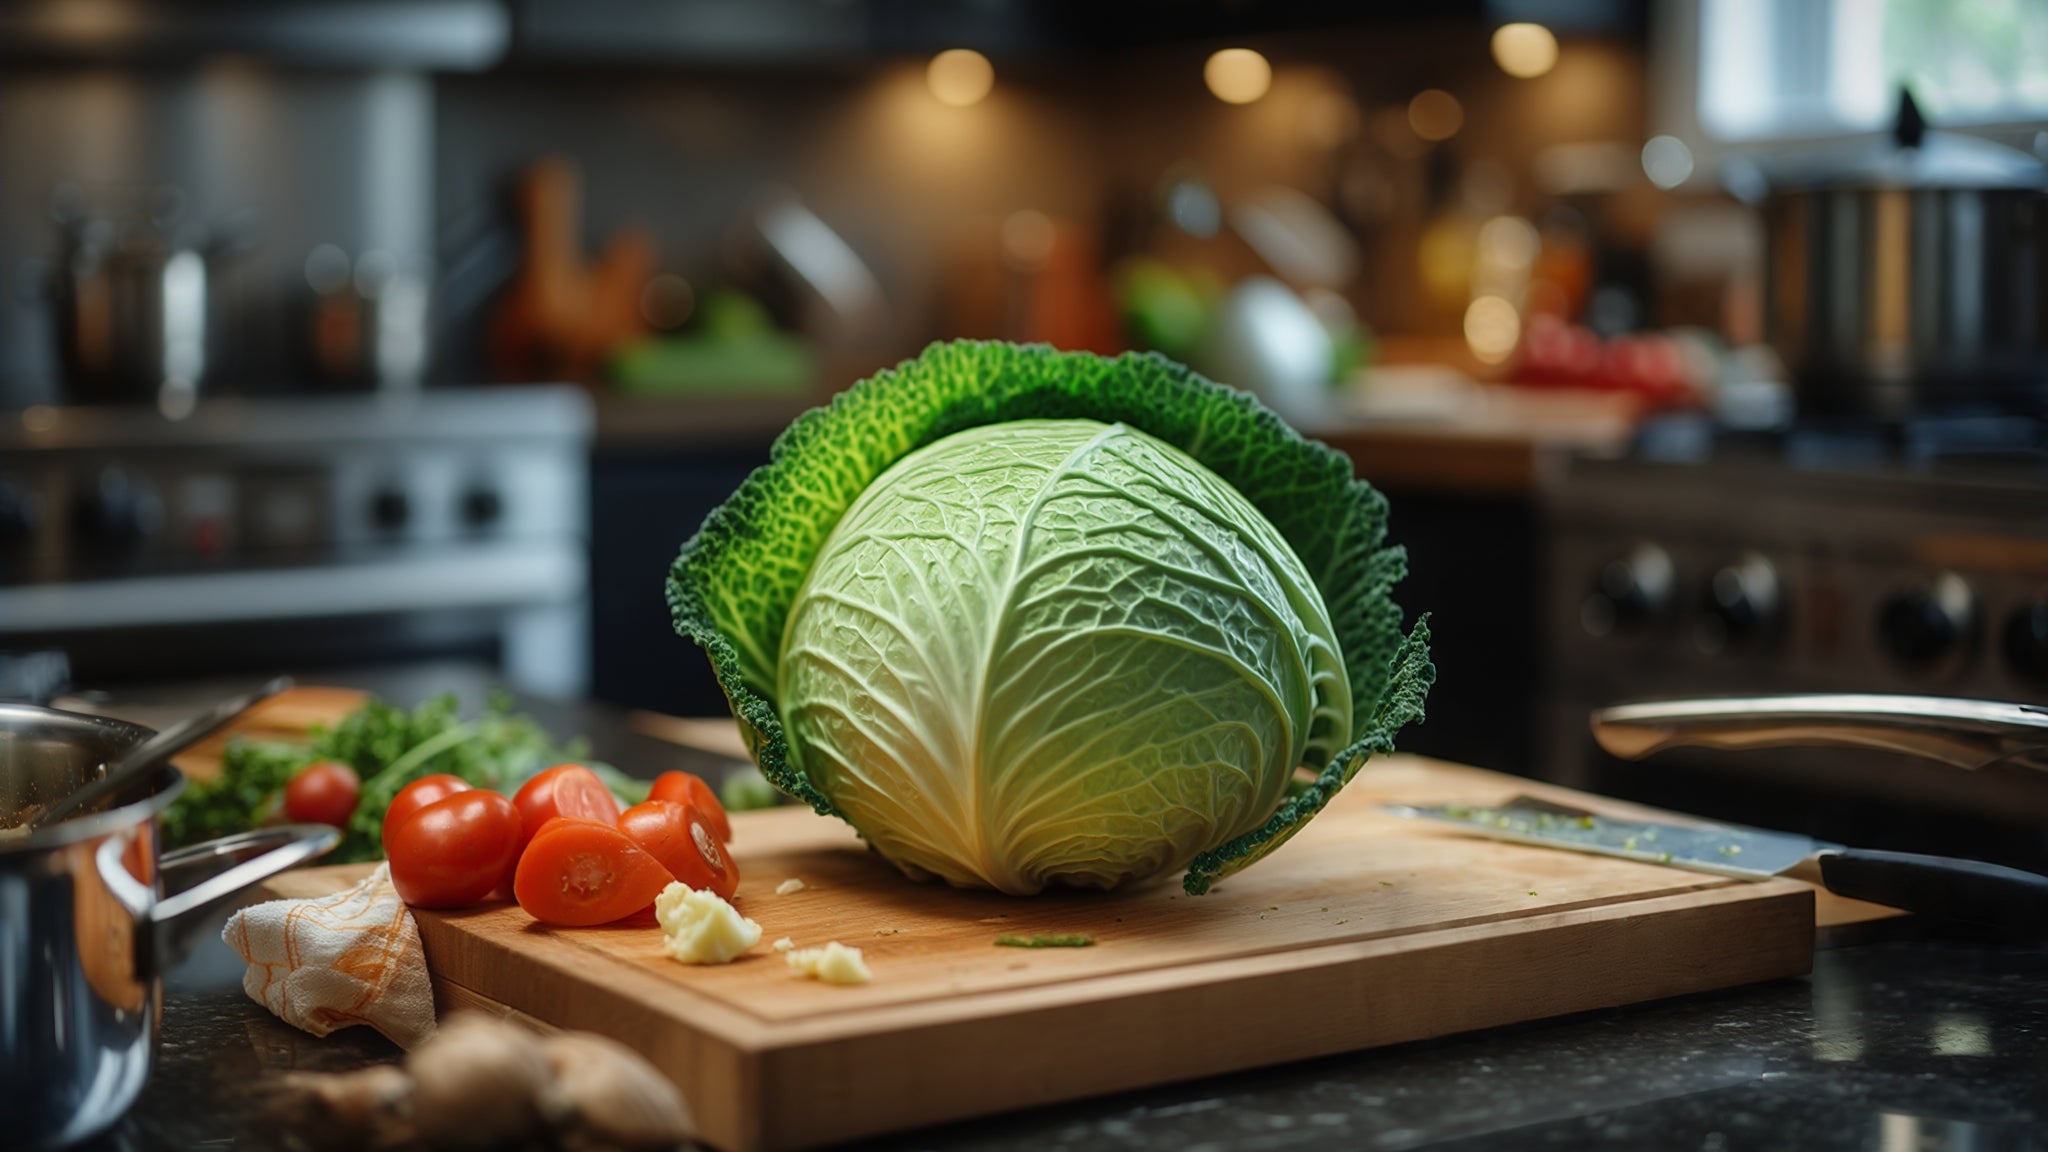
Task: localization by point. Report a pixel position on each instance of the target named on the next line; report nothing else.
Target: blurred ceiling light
(1028, 237)
(1237, 75)
(960, 77)
(1667, 161)
(88, 22)
(1435, 114)
(1492, 329)
(1524, 51)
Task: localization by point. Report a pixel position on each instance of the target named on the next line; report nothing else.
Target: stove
(260, 533)
(1826, 558)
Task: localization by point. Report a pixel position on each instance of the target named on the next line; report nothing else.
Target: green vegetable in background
(1026, 617)
(389, 747)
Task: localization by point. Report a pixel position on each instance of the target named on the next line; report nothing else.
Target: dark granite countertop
(1909, 1046)
(1896, 1044)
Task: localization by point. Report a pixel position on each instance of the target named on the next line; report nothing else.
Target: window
(1772, 69)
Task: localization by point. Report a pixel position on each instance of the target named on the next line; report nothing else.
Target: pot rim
(93, 825)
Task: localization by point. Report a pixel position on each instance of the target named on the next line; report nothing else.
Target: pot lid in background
(1912, 156)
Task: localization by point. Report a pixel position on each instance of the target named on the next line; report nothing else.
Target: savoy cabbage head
(1027, 617)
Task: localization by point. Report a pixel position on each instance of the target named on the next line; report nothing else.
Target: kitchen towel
(328, 962)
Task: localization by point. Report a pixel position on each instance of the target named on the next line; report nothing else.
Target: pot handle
(172, 925)
(1967, 734)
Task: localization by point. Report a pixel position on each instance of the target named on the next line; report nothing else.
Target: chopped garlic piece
(788, 886)
(783, 945)
(700, 928)
(835, 963)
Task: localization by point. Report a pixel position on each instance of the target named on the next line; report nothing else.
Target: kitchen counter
(1894, 1043)
(1896, 1046)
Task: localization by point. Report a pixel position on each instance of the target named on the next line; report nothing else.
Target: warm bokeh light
(1329, 119)
(1492, 329)
(960, 77)
(1028, 237)
(1667, 161)
(1435, 114)
(1237, 75)
(1524, 51)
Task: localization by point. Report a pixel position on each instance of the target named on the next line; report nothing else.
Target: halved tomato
(680, 837)
(579, 872)
(565, 790)
(684, 788)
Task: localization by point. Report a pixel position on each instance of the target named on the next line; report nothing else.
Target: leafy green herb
(1066, 940)
(388, 747)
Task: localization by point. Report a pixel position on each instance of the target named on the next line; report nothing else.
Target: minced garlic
(700, 928)
(790, 885)
(835, 963)
(783, 944)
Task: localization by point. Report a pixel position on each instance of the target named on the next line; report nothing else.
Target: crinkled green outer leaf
(1056, 651)
(734, 584)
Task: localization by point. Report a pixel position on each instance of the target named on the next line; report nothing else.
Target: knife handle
(2006, 901)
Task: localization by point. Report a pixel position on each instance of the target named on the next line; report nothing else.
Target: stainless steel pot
(91, 917)
(1910, 277)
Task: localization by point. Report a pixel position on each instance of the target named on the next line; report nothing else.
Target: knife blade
(2008, 902)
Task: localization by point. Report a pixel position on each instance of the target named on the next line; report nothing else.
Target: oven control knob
(1927, 629)
(21, 513)
(1742, 605)
(390, 509)
(116, 510)
(482, 507)
(2026, 641)
(1630, 590)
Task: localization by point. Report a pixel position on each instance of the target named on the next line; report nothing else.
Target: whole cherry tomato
(680, 837)
(451, 853)
(565, 790)
(415, 796)
(579, 872)
(323, 792)
(684, 788)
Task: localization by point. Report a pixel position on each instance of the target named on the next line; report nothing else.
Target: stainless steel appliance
(266, 533)
(91, 919)
(1910, 275)
(1876, 559)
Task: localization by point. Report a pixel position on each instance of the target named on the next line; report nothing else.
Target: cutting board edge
(767, 1098)
(1655, 961)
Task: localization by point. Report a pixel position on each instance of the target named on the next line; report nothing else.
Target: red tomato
(323, 792)
(415, 796)
(579, 872)
(683, 788)
(680, 837)
(565, 790)
(452, 852)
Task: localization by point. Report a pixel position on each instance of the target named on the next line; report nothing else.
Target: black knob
(2026, 641)
(1927, 628)
(482, 507)
(1631, 590)
(116, 510)
(1742, 605)
(21, 513)
(390, 509)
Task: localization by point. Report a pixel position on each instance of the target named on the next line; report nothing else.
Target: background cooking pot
(1908, 276)
(132, 295)
(91, 917)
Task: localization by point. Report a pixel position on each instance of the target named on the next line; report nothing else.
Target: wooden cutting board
(1364, 930)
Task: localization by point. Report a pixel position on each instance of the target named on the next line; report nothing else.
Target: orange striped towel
(332, 961)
